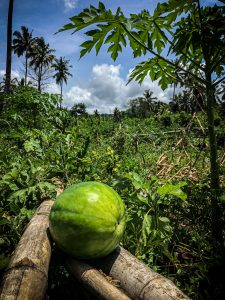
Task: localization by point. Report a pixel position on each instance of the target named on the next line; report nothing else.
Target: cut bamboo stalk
(94, 281)
(27, 274)
(26, 277)
(137, 279)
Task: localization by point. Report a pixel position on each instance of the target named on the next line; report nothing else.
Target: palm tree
(41, 57)
(61, 67)
(96, 113)
(142, 107)
(150, 102)
(9, 48)
(22, 44)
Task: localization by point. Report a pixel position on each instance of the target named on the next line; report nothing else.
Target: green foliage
(78, 109)
(168, 224)
(28, 107)
(166, 120)
(145, 106)
(149, 227)
(168, 221)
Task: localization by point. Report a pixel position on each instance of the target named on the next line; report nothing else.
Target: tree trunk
(9, 47)
(27, 274)
(215, 181)
(39, 79)
(26, 66)
(61, 88)
(216, 224)
(217, 233)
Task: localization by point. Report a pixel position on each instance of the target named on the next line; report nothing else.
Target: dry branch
(138, 280)
(94, 281)
(26, 277)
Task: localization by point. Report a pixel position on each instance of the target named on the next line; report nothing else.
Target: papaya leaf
(116, 38)
(174, 25)
(156, 69)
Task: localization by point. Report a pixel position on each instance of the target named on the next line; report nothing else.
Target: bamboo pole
(27, 274)
(26, 277)
(94, 281)
(137, 279)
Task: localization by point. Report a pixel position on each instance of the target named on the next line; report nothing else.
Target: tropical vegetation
(166, 160)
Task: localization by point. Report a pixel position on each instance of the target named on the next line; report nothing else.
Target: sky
(97, 81)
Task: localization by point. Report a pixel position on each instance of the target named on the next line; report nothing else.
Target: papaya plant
(183, 38)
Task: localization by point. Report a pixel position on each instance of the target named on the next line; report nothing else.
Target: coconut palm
(150, 102)
(61, 67)
(22, 44)
(143, 106)
(41, 58)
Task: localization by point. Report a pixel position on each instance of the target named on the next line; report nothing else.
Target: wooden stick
(94, 281)
(138, 280)
(26, 277)
(200, 124)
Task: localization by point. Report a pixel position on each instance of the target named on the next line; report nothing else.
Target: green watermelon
(87, 220)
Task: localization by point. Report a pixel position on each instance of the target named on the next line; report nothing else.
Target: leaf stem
(172, 44)
(159, 56)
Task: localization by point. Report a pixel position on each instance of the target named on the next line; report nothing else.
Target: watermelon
(87, 220)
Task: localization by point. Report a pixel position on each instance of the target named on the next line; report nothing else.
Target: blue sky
(97, 80)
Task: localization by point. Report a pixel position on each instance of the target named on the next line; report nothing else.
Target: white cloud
(52, 88)
(106, 90)
(14, 74)
(70, 4)
(76, 95)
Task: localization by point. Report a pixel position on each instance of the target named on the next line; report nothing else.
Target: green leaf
(116, 39)
(101, 6)
(32, 146)
(156, 69)
(175, 190)
(164, 220)
(142, 199)
(222, 198)
(158, 36)
(137, 181)
(146, 228)
(88, 45)
(68, 26)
